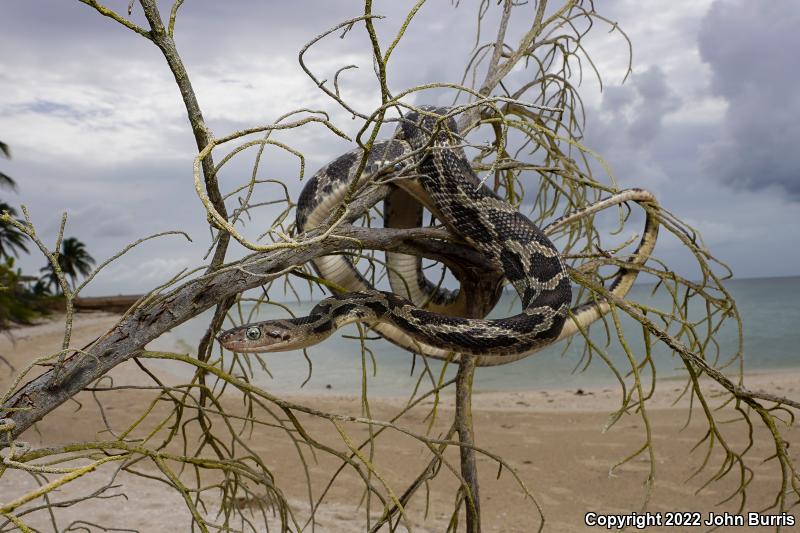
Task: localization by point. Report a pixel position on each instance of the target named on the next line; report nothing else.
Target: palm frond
(7, 181)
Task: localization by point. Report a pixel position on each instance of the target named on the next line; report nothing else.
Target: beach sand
(554, 439)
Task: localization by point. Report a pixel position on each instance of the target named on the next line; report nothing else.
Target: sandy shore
(554, 439)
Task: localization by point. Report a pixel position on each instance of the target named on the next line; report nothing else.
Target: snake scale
(430, 169)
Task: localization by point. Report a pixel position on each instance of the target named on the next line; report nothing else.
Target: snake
(430, 169)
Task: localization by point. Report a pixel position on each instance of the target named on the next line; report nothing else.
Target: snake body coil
(437, 174)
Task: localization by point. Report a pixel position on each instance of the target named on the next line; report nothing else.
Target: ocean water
(770, 310)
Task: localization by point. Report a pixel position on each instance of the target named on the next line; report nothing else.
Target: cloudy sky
(708, 120)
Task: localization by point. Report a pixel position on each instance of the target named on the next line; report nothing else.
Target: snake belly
(444, 182)
(326, 190)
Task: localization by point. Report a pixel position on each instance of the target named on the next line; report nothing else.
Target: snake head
(416, 127)
(269, 336)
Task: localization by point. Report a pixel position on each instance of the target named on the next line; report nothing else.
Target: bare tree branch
(130, 336)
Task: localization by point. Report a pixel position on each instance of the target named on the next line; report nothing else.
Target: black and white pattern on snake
(424, 159)
(511, 241)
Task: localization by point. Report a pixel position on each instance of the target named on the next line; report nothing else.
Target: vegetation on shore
(24, 298)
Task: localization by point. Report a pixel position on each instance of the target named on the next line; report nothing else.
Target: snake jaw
(270, 336)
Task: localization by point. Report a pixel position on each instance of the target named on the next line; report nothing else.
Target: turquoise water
(769, 310)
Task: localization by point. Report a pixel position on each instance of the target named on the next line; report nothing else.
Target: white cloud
(97, 127)
(78, 114)
(157, 269)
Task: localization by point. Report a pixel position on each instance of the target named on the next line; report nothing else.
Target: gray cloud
(752, 49)
(627, 128)
(97, 127)
(656, 100)
(639, 107)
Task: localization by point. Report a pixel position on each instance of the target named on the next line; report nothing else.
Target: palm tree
(5, 179)
(74, 260)
(41, 287)
(11, 239)
(48, 279)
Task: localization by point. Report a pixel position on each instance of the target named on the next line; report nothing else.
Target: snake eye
(253, 333)
(398, 167)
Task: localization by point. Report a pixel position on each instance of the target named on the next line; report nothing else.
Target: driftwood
(114, 304)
